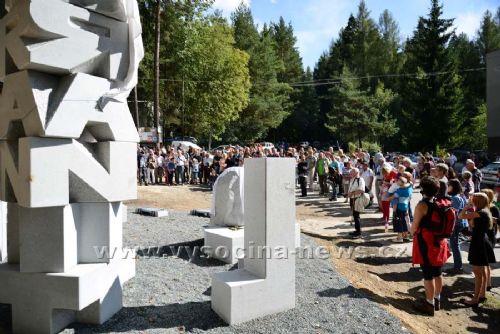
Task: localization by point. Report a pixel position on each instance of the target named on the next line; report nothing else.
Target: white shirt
(159, 161)
(180, 160)
(357, 184)
(367, 175)
(452, 159)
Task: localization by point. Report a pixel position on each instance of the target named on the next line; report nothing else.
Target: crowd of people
(363, 179)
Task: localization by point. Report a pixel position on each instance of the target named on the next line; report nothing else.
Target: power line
(330, 81)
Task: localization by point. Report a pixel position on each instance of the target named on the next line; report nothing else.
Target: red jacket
(429, 250)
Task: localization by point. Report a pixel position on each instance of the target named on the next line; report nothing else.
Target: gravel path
(172, 294)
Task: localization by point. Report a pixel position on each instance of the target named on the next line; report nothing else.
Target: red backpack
(440, 218)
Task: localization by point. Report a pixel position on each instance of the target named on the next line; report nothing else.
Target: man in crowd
(477, 175)
(322, 170)
(368, 176)
(151, 166)
(441, 175)
(379, 178)
(346, 178)
(311, 167)
(356, 189)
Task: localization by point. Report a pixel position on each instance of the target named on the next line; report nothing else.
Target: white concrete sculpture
(67, 158)
(227, 199)
(224, 238)
(266, 285)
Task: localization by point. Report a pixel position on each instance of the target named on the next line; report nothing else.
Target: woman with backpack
(429, 250)
(480, 251)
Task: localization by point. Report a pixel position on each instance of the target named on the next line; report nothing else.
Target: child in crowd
(467, 184)
(195, 172)
(402, 197)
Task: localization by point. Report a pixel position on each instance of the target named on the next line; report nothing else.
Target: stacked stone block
(67, 158)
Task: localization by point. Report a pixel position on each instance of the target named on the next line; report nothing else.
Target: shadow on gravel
(189, 251)
(181, 317)
(349, 291)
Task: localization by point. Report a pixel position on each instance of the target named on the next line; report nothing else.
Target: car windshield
(492, 167)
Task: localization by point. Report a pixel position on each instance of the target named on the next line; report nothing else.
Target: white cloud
(274, 1)
(324, 19)
(468, 23)
(228, 6)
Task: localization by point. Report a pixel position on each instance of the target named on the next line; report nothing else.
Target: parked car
(490, 174)
(267, 145)
(222, 148)
(185, 145)
(187, 138)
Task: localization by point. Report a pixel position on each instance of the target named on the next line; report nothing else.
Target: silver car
(490, 174)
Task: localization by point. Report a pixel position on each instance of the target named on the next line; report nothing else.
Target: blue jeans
(454, 245)
(179, 174)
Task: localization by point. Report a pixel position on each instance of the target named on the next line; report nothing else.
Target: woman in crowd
(458, 203)
(480, 251)
(428, 251)
(492, 232)
(388, 176)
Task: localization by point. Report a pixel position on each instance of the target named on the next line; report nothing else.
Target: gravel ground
(172, 294)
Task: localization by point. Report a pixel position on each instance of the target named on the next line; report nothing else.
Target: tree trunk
(157, 70)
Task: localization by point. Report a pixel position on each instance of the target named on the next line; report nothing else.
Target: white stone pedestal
(47, 303)
(224, 244)
(265, 285)
(223, 238)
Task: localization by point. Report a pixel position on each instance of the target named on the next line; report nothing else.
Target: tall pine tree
(431, 88)
(269, 99)
(291, 72)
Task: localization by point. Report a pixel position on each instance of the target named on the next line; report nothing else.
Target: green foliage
(474, 136)
(269, 99)
(357, 114)
(489, 34)
(433, 99)
(205, 79)
(368, 146)
(217, 88)
(292, 128)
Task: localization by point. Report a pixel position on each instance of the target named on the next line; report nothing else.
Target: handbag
(362, 202)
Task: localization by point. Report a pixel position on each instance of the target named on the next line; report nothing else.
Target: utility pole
(157, 71)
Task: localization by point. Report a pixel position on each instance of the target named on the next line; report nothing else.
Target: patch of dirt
(395, 284)
(179, 198)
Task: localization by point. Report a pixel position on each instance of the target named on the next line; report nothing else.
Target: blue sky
(317, 22)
